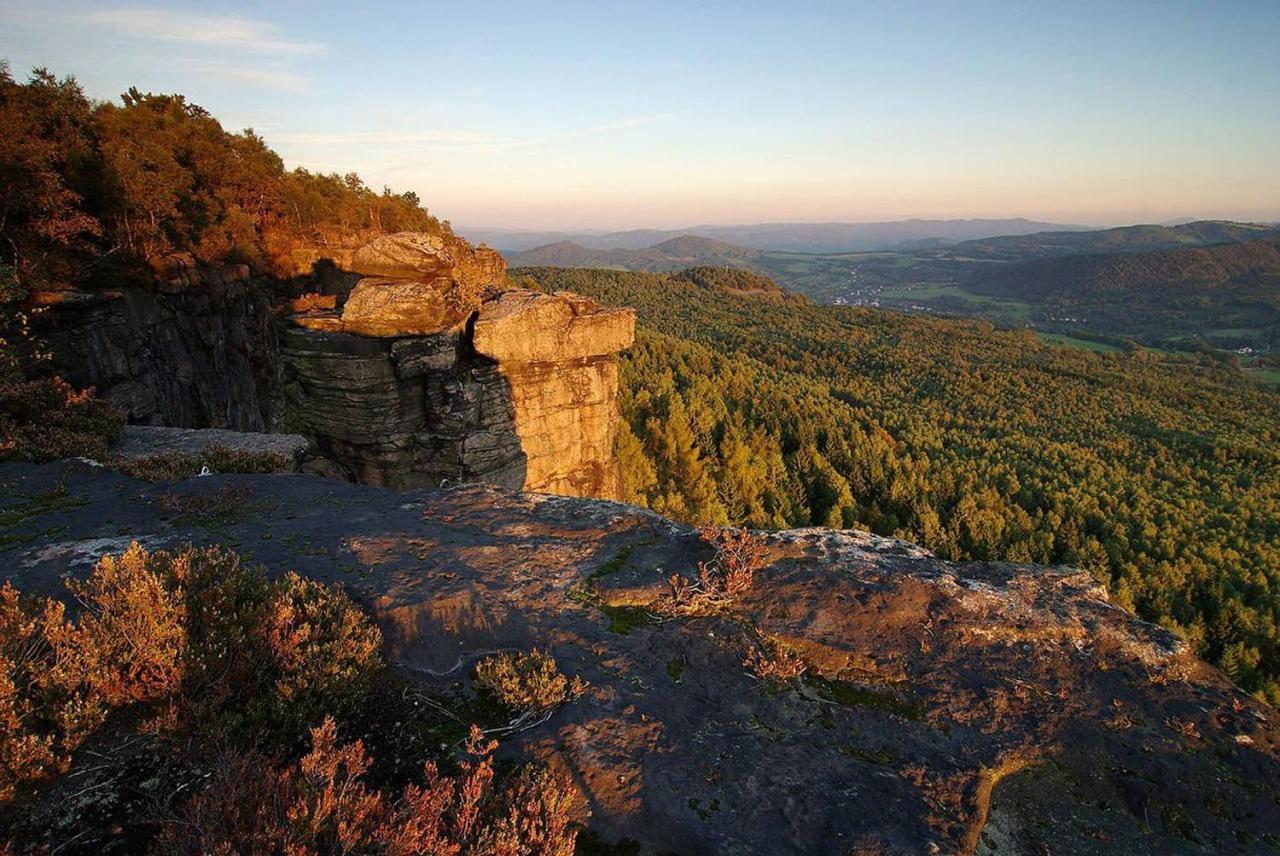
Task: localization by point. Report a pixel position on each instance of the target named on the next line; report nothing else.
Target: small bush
(196, 635)
(774, 662)
(27, 750)
(176, 466)
(323, 648)
(323, 805)
(738, 555)
(44, 419)
(526, 682)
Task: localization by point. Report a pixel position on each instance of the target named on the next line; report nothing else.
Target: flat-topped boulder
(138, 442)
(419, 255)
(532, 327)
(381, 306)
(524, 397)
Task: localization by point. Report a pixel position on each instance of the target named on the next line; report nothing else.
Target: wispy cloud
(393, 138)
(194, 28)
(269, 77)
(462, 138)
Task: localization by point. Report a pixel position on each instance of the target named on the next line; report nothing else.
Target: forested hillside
(1204, 291)
(1160, 476)
(1121, 239)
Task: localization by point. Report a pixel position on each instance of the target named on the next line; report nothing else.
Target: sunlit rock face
(559, 354)
(421, 380)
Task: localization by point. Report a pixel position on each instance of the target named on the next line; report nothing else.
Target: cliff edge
(946, 707)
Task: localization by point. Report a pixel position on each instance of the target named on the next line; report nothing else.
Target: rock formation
(376, 365)
(196, 349)
(948, 707)
(558, 354)
(399, 389)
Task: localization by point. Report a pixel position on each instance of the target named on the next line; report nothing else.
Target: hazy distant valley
(1204, 285)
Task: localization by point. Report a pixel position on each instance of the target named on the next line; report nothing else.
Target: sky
(610, 115)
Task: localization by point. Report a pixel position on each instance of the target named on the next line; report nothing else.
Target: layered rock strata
(196, 350)
(420, 380)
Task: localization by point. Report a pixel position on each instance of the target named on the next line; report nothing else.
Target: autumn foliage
(197, 648)
(323, 805)
(187, 637)
(738, 555)
(526, 682)
(45, 419)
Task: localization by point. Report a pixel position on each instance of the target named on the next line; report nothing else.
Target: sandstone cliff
(379, 369)
(430, 375)
(949, 707)
(197, 349)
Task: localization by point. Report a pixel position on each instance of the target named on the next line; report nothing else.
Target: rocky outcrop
(196, 350)
(379, 306)
(417, 255)
(519, 390)
(525, 398)
(406, 412)
(558, 354)
(947, 708)
(378, 364)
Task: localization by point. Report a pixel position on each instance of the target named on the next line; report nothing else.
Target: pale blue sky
(615, 115)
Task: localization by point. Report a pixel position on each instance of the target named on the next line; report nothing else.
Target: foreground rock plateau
(949, 708)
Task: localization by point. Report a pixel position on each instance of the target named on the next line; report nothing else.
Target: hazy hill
(789, 237)
(673, 254)
(1116, 276)
(1123, 239)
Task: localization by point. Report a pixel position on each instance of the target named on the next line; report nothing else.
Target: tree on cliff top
(82, 182)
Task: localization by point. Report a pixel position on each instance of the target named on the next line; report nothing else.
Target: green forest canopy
(1159, 476)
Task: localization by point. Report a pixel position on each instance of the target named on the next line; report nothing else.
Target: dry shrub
(526, 682)
(130, 640)
(775, 662)
(27, 745)
(45, 419)
(323, 648)
(225, 503)
(196, 636)
(738, 555)
(322, 805)
(175, 466)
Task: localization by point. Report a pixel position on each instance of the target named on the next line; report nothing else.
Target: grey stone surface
(145, 441)
(948, 708)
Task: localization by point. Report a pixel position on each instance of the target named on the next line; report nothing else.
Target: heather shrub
(175, 466)
(775, 662)
(525, 682)
(323, 649)
(44, 419)
(196, 636)
(738, 555)
(324, 805)
(27, 742)
(129, 643)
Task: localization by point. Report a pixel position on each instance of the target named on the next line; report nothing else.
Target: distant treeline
(88, 188)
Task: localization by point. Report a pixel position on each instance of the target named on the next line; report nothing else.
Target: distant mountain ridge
(1122, 239)
(682, 251)
(783, 237)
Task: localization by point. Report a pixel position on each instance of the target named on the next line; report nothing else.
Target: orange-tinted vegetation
(197, 647)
